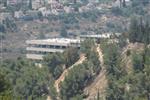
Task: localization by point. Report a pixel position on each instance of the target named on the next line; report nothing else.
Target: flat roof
(96, 36)
(54, 41)
(44, 49)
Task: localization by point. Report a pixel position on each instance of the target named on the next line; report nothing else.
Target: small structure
(68, 9)
(18, 14)
(96, 36)
(44, 11)
(36, 49)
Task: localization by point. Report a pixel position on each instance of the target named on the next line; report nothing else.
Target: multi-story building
(36, 49)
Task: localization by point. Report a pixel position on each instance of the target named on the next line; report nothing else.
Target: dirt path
(63, 75)
(100, 82)
(127, 58)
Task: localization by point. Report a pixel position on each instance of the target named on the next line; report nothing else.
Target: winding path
(100, 82)
(65, 73)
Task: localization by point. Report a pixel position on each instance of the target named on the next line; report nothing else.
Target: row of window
(48, 46)
(38, 52)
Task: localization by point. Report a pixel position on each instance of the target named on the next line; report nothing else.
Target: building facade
(36, 49)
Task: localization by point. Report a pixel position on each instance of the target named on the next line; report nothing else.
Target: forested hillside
(117, 68)
(127, 72)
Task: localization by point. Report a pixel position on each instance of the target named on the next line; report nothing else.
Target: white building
(18, 14)
(96, 36)
(36, 49)
(44, 11)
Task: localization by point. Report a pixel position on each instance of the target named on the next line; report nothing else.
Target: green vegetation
(88, 48)
(137, 7)
(74, 83)
(22, 80)
(121, 84)
(124, 85)
(58, 61)
(71, 55)
(81, 75)
(63, 32)
(112, 60)
(55, 63)
(27, 81)
(140, 30)
(8, 25)
(2, 28)
(5, 88)
(2, 36)
(138, 62)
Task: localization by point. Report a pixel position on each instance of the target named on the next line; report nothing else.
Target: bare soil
(100, 82)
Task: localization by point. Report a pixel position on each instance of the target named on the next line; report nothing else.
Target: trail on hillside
(127, 58)
(65, 73)
(100, 82)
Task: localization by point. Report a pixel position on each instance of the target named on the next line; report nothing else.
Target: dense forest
(22, 79)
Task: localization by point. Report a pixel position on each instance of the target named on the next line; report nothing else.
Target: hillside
(100, 82)
(76, 50)
(127, 55)
(65, 72)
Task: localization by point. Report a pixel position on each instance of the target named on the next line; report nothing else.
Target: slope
(127, 55)
(64, 74)
(100, 82)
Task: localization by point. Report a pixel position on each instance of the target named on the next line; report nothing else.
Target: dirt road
(64, 74)
(100, 82)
